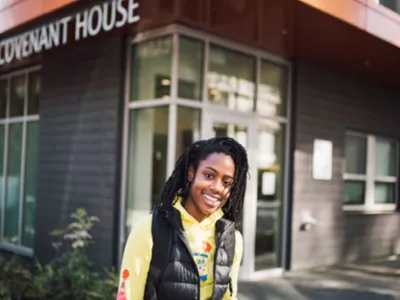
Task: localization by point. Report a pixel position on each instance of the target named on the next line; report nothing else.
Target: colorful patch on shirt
(125, 274)
(206, 246)
(203, 264)
(121, 293)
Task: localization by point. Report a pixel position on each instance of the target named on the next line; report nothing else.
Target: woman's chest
(202, 245)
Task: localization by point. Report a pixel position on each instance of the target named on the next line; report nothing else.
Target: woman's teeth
(210, 198)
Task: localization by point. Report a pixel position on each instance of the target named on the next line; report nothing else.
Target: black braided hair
(177, 183)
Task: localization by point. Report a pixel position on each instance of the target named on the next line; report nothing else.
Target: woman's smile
(211, 200)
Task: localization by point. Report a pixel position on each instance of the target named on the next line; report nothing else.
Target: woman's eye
(208, 176)
(228, 183)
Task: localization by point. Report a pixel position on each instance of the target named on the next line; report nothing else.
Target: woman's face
(210, 186)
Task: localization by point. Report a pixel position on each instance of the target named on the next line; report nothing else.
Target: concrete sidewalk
(378, 280)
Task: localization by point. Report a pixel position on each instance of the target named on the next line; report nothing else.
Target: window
(270, 166)
(187, 129)
(393, 5)
(231, 79)
(147, 164)
(190, 71)
(19, 124)
(271, 96)
(152, 72)
(371, 171)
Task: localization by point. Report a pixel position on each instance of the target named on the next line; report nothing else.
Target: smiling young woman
(189, 248)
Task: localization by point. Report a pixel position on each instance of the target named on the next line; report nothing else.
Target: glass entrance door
(244, 131)
(261, 222)
(270, 190)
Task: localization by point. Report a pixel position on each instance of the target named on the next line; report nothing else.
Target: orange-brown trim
(14, 13)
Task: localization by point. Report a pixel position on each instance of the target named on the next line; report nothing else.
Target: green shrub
(68, 276)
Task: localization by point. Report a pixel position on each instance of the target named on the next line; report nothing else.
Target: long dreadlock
(177, 183)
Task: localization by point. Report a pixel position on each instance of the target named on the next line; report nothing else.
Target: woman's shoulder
(238, 244)
(145, 220)
(238, 236)
(142, 226)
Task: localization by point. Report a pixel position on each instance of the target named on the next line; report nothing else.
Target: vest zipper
(185, 242)
(230, 286)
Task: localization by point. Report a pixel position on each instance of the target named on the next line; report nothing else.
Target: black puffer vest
(173, 272)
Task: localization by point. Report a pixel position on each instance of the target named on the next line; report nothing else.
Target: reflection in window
(271, 96)
(188, 129)
(356, 154)
(151, 75)
(385, 166)
(385, 193)
(230, 79)
(239, 133)
(190, 82)
(3, 98)
(34, 93)
(30, 183)
(147, 161)
(13, 182)
(270, 192)
(354, 192)
(17, 96)
(385, 157)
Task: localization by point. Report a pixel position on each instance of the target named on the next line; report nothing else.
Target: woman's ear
(190, 174)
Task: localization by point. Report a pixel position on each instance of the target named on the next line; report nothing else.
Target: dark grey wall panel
(326, 105)
(79, 142)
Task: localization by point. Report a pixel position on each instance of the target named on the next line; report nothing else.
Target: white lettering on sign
(105, 17)
(124, 14)
(109, 23)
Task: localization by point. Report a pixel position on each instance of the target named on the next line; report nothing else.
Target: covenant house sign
(102, 17)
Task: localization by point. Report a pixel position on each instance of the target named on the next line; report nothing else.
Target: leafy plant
(68, 276)
(18, 281)
(77, 232)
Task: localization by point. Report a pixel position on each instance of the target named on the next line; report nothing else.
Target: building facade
(99, 99)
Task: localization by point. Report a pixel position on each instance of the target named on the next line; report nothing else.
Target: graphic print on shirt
(203, 260)
(121, 293)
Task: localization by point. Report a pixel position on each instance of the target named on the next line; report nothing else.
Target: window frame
(369, 178)
(18, 247)
(175, 32)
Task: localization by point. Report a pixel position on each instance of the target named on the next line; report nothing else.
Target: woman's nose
(217, 186)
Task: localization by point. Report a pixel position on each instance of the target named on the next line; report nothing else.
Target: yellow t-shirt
(201, 237)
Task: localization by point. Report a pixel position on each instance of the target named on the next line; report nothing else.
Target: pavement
(377, 280)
